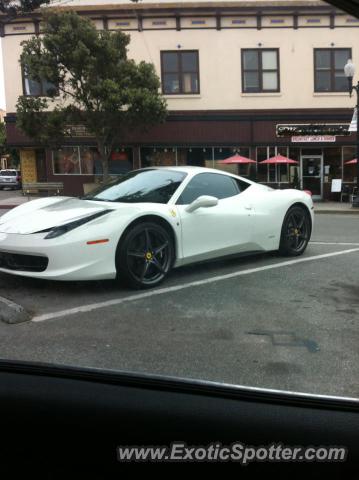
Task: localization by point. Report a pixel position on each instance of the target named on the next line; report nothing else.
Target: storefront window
(273, 173)
(66, 161)
(349, 171)
(196, 156)
(120, 161)
(332, 163)
(88, 158)
(294, 170)
(262, 172)
(221, 153)
(158, 156)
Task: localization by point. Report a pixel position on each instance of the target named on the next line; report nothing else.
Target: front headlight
(62, 229)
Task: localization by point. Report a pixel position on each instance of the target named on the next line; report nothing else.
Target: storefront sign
(77, 131)
(312, 129)
(313, 139)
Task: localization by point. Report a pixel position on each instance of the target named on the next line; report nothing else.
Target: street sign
(354, 122)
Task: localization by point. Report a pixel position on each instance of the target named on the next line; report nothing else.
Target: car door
(218, 230)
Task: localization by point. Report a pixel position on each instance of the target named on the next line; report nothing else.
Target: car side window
(214, 184)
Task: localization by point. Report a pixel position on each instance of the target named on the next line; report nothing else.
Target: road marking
(334, 243)
(10, 304)
(176, 288)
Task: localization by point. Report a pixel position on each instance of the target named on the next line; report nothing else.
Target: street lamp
(349, 71)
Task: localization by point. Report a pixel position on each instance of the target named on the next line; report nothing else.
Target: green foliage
(2, 136)
(94, 84)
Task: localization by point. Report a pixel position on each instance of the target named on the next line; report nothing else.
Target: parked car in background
(10, 178)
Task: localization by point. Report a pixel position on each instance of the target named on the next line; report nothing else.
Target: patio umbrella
(278, 160)
(351, 162)
(236, 159)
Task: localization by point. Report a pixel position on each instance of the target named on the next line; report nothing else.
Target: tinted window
(8, 173)
(329, 69)
(139, 186)
(180, 72)
(216, 185)
(260, 70)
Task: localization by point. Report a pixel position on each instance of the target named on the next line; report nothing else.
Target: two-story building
(233, 73)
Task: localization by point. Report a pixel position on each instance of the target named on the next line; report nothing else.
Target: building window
(329, 69)
(180, 72)
(86, 160)
(260, 70)
(34, 88)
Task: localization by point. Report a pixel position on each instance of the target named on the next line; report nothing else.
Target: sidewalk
(11, 199)
(335, 207)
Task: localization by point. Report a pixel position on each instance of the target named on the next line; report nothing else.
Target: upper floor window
(260, 70)
(180, 72)
(329, 69)
(34, 88)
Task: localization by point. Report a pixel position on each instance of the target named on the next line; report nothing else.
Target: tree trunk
(104, 160)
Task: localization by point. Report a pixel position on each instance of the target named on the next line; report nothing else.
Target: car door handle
(248, 207)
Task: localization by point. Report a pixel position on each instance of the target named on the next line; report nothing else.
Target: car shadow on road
(14, 285)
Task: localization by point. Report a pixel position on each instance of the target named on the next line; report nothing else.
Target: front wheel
(295, 233)
(145, 256)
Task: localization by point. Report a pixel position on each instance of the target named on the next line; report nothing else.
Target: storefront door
(312, 175)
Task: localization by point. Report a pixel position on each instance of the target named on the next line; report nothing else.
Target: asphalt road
(249, 321)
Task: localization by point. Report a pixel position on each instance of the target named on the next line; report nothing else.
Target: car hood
(46, 213)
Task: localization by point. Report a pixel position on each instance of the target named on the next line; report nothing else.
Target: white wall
(220, 65)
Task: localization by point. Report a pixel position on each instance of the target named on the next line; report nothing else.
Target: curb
(336, 212)
(11, 312)
(8, 207)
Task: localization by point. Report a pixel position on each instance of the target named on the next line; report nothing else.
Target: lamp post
(349, 71)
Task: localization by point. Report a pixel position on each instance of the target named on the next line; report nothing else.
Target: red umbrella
(278, 159)
(236, 159)
(351, 162)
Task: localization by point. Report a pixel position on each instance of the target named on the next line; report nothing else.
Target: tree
(90, 82)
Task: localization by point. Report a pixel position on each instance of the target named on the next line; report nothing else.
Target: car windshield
(150, 186)
(8, 173)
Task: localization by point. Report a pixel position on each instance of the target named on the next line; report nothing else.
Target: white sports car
(144, 223)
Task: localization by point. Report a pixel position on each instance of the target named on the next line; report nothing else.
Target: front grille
(24, 263)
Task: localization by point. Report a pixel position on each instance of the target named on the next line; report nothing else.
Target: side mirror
(202, 201)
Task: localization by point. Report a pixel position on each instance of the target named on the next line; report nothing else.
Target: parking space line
(334, 243)
(176, 288)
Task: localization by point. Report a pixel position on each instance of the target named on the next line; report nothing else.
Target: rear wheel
(145, 256)
(295, 233)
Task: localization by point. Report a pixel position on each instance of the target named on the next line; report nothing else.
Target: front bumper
(10, 184)
(67, 259)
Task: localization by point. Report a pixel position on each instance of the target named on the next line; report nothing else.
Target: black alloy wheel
(296, 231)
(145, 256)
